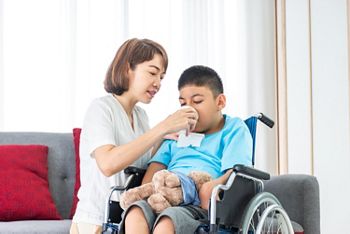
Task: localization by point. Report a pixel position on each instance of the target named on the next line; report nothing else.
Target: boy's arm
(151, 170)
(207, 188)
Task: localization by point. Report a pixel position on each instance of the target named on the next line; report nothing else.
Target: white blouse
(106, 123)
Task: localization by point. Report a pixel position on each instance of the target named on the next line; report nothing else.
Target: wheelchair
(242, 207)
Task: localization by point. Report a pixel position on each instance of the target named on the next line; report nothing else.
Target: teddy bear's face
(165, 178)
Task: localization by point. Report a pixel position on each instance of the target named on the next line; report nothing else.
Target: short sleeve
(238, 146)
(143, 120)
(163, 154)
(98, 127)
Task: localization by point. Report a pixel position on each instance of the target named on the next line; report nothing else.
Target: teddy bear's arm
(136, 194)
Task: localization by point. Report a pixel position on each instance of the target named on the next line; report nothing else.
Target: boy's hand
(205, 194)
(192, 125)
(207, 188)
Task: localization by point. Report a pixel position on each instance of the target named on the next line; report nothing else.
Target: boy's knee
(164, 225)
(134, 214)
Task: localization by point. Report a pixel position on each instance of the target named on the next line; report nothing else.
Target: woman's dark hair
(131, 53)
(201, 76)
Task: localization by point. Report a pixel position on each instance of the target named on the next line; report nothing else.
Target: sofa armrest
(299, 196)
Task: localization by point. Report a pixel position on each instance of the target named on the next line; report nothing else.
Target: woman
(116, 133)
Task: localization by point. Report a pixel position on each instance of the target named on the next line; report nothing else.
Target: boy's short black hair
(201, 76)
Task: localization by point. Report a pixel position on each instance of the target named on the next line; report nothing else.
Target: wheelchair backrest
(251, 124)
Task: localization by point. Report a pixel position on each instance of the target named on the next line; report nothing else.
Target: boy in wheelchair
(227, 142)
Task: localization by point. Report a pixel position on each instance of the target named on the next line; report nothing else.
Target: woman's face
(145, 79)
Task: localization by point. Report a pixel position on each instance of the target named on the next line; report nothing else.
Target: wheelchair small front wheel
(264, 214)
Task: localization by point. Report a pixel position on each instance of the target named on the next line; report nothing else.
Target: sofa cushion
(24, 190)
(76, 138)
(61, 163)
(36, 227)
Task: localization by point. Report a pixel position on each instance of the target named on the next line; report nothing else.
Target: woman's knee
(74, 229)
(78, 228)
(164, 225)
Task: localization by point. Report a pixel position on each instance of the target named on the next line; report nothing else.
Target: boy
(227, 142)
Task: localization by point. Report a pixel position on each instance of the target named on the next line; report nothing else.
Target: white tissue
(193, 139)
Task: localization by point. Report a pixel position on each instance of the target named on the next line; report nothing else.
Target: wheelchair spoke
(270, 226)
(265, 215)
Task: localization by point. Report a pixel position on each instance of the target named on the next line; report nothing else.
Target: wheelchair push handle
(266, 120)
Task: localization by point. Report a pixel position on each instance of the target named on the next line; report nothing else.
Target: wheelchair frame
(260, 198)
(254, 207)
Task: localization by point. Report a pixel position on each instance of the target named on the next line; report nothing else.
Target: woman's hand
(185, 118)
(172, 136)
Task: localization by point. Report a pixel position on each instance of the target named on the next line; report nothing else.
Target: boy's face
(208, 107)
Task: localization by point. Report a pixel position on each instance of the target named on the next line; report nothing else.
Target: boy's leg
(141, 214)
(164, 225)
(135, 221)
(184, 219)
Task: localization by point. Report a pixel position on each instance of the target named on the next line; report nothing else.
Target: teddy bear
(164, 190)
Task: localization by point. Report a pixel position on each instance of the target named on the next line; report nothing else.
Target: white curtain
(54, 54)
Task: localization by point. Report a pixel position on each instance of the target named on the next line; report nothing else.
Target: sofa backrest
(61, 163)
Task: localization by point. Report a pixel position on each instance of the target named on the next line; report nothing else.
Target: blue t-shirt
(218, 151)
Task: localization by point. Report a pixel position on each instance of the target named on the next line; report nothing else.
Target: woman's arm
(156, 147)
(207, 188)
(112, 159)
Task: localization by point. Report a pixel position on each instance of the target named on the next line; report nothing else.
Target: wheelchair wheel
(264, 214)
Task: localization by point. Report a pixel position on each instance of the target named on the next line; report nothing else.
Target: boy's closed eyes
(195, 99)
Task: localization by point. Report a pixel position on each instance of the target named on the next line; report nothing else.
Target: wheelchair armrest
(135, 177)
(124, 187)
(134, 170)
(245, 170)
